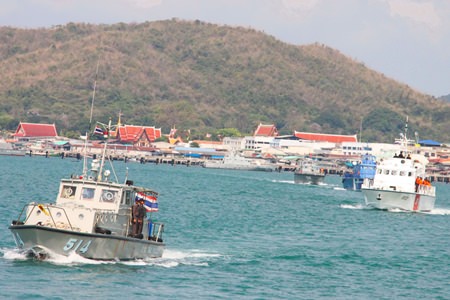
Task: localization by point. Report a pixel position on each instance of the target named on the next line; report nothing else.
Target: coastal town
(147, 144)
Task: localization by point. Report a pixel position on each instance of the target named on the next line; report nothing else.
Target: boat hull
(42, 240)
(384, 199)
(353, 184)
(309, 178)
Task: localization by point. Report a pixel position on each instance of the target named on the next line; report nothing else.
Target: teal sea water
(238, 235)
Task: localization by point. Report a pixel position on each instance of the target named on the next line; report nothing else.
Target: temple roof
(332, 138)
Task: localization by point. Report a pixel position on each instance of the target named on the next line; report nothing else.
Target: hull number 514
(77, 245)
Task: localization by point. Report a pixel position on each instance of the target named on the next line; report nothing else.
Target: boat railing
(155, 231)
(368, 182)
(426, 190)
(46, 209)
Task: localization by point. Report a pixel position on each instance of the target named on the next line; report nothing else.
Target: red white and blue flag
(150, 201)
(98, 130)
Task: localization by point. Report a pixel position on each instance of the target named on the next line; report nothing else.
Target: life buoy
(108, 196)
(68, 192)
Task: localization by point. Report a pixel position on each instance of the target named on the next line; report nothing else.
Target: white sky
(407, 40)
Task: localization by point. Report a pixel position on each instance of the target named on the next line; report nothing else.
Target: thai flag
(98, 130)
(150, 201)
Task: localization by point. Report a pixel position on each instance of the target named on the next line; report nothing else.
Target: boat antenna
(405, 135)
(360, 130)
(93, 95)
(85, 167)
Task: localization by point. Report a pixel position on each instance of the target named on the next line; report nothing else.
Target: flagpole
(90, 121)
(99, 176)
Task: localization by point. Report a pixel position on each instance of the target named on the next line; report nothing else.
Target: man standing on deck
(134, 214)
(139, 213)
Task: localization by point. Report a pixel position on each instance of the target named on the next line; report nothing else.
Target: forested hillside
(201, 77)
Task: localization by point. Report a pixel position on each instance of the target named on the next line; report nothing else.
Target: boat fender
(102, 230)
(42, 208)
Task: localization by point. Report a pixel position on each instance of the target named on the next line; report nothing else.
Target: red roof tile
(266, 130)
(131, 133)
(35, 130)
(332, 138)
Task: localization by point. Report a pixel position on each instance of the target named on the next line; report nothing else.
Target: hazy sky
(407, 40)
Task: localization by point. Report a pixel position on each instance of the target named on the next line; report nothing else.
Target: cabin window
(402, 173)
(108, 196)
(386, 172)
(87, 193)
(409, 174)
(380, 171)
(394, 172)
(68, 192)
(126, 198)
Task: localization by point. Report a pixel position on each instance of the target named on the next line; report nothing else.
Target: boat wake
(439, 211)
(353, 206)
(170, 258)
(435, 211)
(14, 254)
(174, 258)
(339, 188)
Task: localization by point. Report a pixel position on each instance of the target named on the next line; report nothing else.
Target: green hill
(201, 77)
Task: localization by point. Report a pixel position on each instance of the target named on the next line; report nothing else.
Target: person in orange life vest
(418, 182)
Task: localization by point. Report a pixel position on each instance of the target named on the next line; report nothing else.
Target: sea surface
(237, 235)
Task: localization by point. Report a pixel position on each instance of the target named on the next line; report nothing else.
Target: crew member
(139, 216)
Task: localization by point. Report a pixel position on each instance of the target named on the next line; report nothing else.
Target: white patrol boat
(92, 216)
(395, 186)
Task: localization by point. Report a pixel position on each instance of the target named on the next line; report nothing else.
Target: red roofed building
(266, 130)
(141, 136)
(321, 137)
(27, 131)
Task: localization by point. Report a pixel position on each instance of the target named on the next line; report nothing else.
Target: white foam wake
(353, 206)
(171, 258)
(439, 211)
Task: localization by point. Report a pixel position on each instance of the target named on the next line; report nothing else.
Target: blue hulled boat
(352, 180)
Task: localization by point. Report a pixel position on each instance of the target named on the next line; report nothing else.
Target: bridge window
(68, 192)
(87, 193)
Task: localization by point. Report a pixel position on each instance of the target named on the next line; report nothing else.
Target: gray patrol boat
(92, 216)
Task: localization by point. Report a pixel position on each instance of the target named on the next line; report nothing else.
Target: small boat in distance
(92, 216)
(234, 161)
(10, 149)
(399, 183)
(364, 169)
(308, 171)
